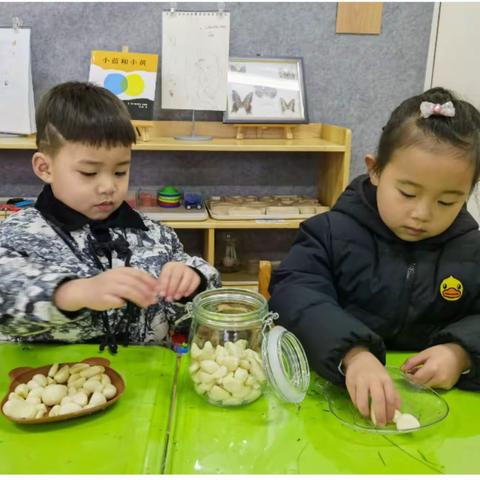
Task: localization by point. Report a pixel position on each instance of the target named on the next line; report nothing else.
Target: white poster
(17, 109)
(195, 50)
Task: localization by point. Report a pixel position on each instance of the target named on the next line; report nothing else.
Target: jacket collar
(69, 219)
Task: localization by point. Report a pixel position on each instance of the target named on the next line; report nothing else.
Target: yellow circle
(135, 85)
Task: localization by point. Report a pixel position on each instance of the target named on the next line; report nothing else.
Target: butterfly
(267, 91)
(287, 106)
(238, 103)
(239, 68)
(286, 74)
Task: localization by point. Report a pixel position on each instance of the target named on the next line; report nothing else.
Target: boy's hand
(176, 281)
(110, 289)
(439, 366)
(366, 378)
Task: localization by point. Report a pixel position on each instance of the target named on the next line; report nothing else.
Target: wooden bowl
(24, 374)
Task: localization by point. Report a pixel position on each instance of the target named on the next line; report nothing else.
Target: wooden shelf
(240, 278)
(233, 224)
(313, 137)
(23, 142)
(330, 145)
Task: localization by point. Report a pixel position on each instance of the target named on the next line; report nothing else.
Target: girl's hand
(366, 378)
(110, 289)
(177, 280)
(439, 366)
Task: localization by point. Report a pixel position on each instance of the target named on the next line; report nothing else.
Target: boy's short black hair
(407, 127)
(84, 113)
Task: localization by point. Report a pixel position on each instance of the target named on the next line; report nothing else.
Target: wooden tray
(24, 374)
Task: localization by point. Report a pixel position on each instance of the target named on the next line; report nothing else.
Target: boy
(82, 266)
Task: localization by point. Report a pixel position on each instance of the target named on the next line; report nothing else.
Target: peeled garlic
(36, 392)
(78, 367)
(105, 379)
(40, 379)
(66, 390)
(53, 394)
(67, 408)
(91, 386)
(41, 410)
(19, 409)
(53, 370)
(91, 371)
(97, 398)
(33, 400)
(406, 421)
(62, 375)
(14, 396)
(230, 374)
(109, 391)
(403, 421)
(80, 398)
(396, 414)
(209, 366)
(22, 390)
(33, 384)
(55, 411)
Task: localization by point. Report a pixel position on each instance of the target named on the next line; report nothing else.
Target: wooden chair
(264, 274)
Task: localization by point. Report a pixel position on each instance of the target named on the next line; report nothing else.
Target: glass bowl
(422, 402)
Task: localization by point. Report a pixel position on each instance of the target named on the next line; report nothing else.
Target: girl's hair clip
(427, 109)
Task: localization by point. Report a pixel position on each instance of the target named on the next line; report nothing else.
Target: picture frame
(266, 90)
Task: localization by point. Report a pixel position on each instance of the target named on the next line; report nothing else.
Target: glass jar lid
(231, 308)
(286, 364)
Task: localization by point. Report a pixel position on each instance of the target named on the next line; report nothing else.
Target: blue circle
(116, 83)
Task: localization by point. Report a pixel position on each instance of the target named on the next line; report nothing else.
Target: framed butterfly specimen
(265, 90)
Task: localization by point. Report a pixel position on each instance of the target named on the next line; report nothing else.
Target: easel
(261, 127)
(142, 127)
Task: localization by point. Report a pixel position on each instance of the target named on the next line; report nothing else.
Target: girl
(394, 264)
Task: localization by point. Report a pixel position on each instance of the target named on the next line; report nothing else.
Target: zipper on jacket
(406, 297)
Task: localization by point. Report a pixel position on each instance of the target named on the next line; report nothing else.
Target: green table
(129, 437)
(269, 436)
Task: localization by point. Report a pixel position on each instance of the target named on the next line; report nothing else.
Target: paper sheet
(195, 49)
(17, 109)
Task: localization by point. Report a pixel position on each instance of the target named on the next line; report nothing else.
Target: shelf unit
(332, 144)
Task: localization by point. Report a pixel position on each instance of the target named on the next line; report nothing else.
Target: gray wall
(351, 80)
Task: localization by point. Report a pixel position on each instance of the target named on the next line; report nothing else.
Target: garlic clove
(40, 379)
(97, 398)
(62, 375)
(407, 421)
(109, 391)
(19, 409)
(91, 386)
(80, 398)
(33, 384)
(92, 371)
(67, 408)
(53, 370)
(54, 411)
(78, 367)
(105, 379)
(396, 414)
(53, 394)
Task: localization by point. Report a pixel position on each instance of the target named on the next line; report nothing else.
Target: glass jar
(235, 350)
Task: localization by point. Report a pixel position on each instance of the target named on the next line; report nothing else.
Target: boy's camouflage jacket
(34, 260)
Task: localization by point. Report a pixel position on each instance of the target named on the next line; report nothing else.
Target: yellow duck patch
(451, 289)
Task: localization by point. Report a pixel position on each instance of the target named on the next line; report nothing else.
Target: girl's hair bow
(428, 109)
